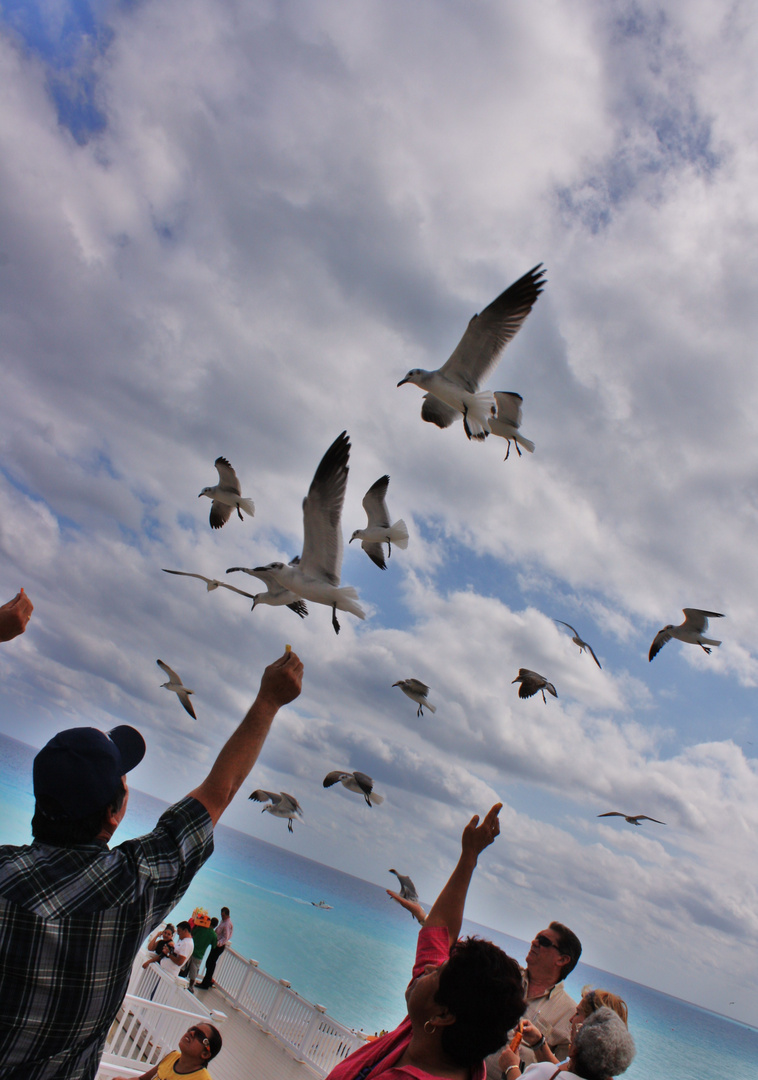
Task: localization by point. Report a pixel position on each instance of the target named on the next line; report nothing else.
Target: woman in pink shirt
(463, 997)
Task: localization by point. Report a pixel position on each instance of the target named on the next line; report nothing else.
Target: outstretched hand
(413, 906)
(477, 837)
(282, 681)
(14, 615)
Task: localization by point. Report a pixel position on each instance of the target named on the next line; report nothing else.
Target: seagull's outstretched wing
(178, 688)
(335, 777)
(375, 506)
(644, 817)
(697, 620)
(438, 412)
(613, 813)
(488, 333)
(571, 628)
(259, 795)
(660, 640)
(322, 513)
(173, 677)
(508, 407)
(212, 583)
(227, 477)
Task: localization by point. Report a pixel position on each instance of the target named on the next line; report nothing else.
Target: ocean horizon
(355, 957)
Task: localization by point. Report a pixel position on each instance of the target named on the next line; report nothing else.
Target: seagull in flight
(691, 630)
(416, 691)
(175, 683)
(532, 683)
(454, 388)
(379, 530)
(210, 583)
(508, 421)
(407, 888)
(275, 595)
(633, 819)
(280, 804)
(358, 782)
(226, 495)
(578, 641)
(317, 576)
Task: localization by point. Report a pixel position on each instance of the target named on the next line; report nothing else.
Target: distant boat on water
(322, 904)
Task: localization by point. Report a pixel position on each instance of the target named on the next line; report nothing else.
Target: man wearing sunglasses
(553, 954)
(74, 912)
(197, 1047)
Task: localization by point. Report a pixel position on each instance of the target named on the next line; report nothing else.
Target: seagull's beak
(403, 380)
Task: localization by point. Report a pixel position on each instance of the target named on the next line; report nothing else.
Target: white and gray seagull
(532, 683)
(317, 576)
(578, 641)
(508, 421)
(379, 530)
(175, 683)
(407, 888)
(226, 495)
(210, 583)
(358, 782)
(691, 630)
(280, 804)
(416, 691)
(454, 388)
(633, 819)
(275, 595)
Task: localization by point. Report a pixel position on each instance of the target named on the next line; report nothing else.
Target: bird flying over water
(578, 641)
(226, 495)
(280, 804)
(507, 422)
(379, 530)
(175, 683)
(358, 782)
(407, 888)
(454, 388)
(532, 683)
(416, 691)
(317, 576)
(691, 630)
(210, 583)
(276, 595)
(633, 819)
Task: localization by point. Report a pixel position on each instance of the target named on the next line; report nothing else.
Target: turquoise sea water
(356, 958)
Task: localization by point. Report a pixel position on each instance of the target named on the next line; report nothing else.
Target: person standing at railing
(73, 914)
(223, 937)
(197, 1047)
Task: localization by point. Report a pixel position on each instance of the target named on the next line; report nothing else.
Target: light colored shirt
(550, 1012)
(224, 931)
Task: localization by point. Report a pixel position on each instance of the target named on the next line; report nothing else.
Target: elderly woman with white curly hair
(601, 1049)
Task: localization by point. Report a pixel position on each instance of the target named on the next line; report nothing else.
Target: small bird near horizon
(379, 530)
(210, 583)
(280, 804)
(454, 388)
(416, 691)
(633, 819)
(507, 422)
(407, 888)
(691, 631)
(358, 782)
(316, 576)
(276, 595)
(532, 683)
(578, 641)
(175, 683)
(226, 495)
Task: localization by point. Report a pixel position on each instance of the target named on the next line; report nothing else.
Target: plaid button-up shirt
(71, 923)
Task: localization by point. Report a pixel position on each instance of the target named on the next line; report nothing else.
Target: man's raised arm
(280, 684)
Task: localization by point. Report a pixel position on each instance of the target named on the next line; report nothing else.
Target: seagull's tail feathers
(527, 444)
(707, 641)
(347, 600)
(428, 705)
(398, 534)
(247, 505)
(478, 409)
(376, 800)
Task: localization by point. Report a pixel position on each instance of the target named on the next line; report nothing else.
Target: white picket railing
(144, 1032)
(155, 983)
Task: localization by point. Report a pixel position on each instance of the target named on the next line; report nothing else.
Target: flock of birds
(314, 576)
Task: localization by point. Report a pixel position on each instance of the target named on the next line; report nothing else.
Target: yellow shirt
(166, 1069)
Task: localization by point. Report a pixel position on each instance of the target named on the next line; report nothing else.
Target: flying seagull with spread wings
(454, 388)
(280, 804)
(226, 495)
(633, 819)
(507, 422)
(210, 583)
(317, 576)
(275, 595)
(175, 683)
(417, 691)
(358, 782)
(691, 630)
(379, 530)
(532, 683)
(578, 641)
(407, 888)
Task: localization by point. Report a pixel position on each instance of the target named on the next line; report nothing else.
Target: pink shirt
(378, 1058)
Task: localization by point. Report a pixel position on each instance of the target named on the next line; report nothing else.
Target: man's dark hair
(214, 923)
(569, 944)
(183, 926)
(215, 1040)
(481, 986)
(50, 825)
(225, 911)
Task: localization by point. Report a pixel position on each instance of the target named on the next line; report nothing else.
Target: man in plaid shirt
(73, 913)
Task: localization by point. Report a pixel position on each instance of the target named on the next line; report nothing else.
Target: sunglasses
(545, 942)
(196, 1033)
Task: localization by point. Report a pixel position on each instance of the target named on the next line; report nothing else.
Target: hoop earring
(432, 1029)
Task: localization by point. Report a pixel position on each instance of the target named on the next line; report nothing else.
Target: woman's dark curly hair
(481, 986)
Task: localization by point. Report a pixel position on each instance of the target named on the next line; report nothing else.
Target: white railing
(154, 983)
(304, 1029)
(144, 1032)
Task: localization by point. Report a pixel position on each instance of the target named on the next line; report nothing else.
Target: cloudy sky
(230, 227)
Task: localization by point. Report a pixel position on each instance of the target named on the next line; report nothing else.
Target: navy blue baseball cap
(81, 768)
